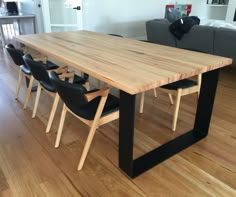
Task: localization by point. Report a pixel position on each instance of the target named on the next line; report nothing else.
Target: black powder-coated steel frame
(134, 167)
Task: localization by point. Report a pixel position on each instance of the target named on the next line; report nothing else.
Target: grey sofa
(212, 40)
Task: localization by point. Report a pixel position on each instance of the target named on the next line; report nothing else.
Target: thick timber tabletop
(129, 65)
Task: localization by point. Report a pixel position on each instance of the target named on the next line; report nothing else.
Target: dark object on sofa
(181, 26)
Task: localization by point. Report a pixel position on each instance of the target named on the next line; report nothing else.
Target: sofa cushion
(158, 32)
(225, 43)
(200, 38)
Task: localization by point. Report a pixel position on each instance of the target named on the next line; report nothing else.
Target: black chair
(17, 57)
(94, 108)
(178, 88)
(40, 73)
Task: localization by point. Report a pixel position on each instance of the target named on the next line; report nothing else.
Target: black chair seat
(25, 69)
(48, 86)
(185, 83)
(117, 35)
(88, 110)
(50, 66)
(79, 80)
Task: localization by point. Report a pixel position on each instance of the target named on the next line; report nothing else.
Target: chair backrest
(37, 69)
(71, 94)
(15, 54)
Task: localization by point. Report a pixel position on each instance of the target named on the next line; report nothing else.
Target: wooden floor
(30, 166)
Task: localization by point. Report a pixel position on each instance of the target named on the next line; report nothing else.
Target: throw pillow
(172, 14)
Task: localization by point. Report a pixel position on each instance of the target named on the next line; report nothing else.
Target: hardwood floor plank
(3, 182)
(6, 193)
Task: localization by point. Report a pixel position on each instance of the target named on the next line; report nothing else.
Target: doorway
(62, 15)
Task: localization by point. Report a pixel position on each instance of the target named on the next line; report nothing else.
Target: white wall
(199, 8)
(27, 6)
(124, 17)
(203, 11)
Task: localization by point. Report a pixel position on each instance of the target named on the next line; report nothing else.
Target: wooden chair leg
(53, 111)
(155, 92)
(141, 102)
(198, 92)
(19, 83)
(28, 91)
(87, 145)
(170, 98)
(177, 103)
(37, 100)
(92, 132)
(199, 81)
(59, 133)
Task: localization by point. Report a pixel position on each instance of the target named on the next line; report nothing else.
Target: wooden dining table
(133, 67)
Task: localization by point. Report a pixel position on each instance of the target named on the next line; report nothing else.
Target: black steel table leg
(206, 102)
(126, 134)
(134, 167)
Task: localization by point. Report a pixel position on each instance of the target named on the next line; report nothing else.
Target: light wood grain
(129, 65)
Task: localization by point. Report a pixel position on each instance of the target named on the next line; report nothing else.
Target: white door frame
(46, 18)
(39, 15)
(46, 15)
